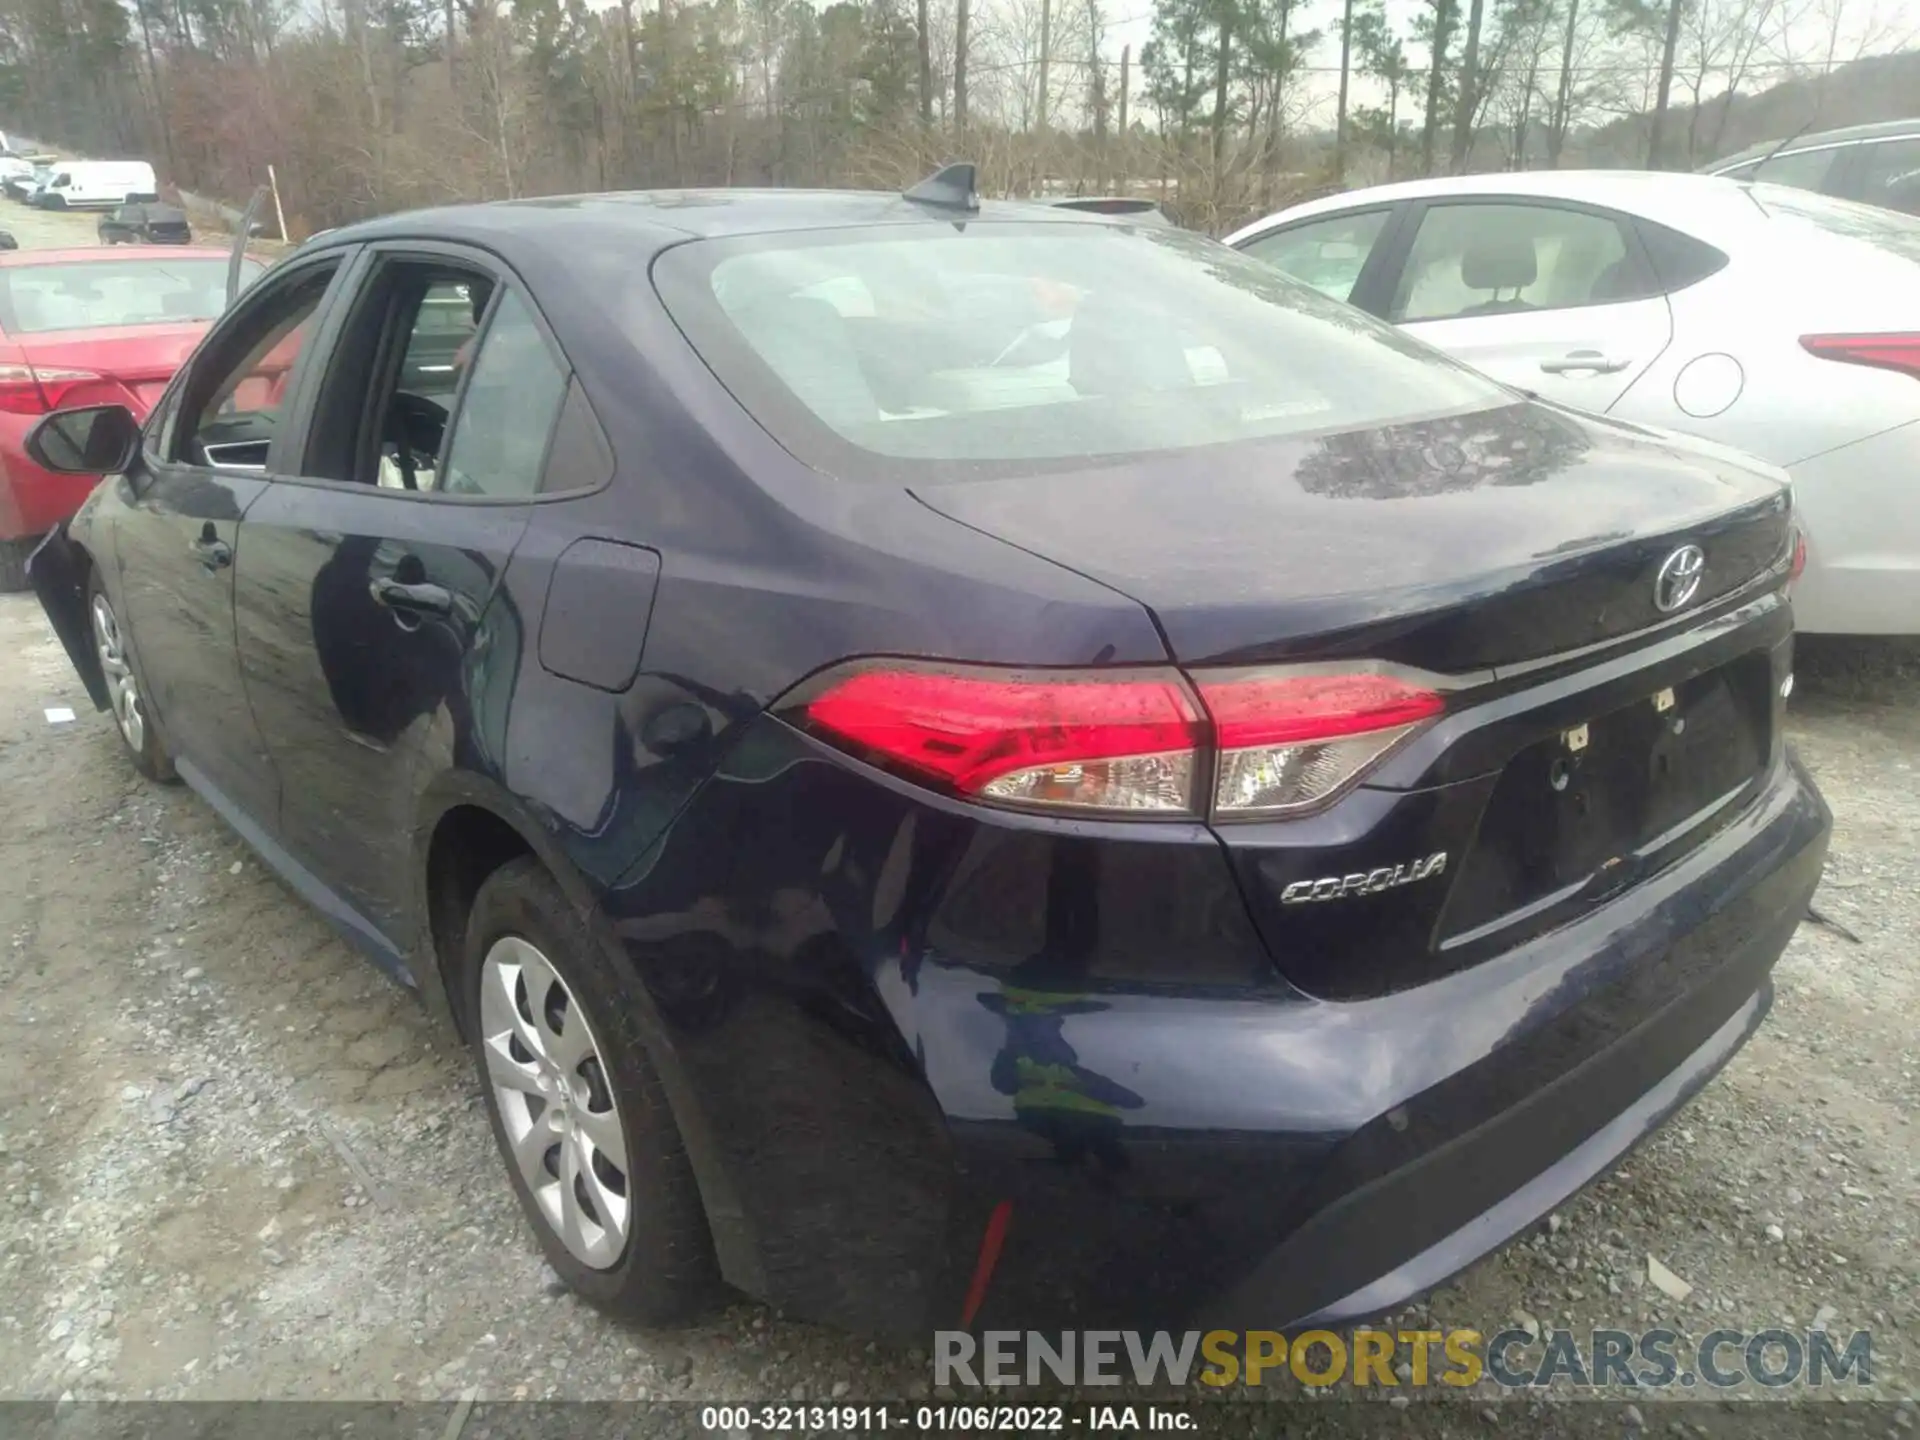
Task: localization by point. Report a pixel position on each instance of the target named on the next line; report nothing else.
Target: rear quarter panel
(1775, 400)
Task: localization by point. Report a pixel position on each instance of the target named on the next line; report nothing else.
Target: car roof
(110, 252)
(1846, 135)
(663, 217)
(1658, 195)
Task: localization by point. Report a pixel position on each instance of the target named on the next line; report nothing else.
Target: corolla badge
(1364, 882)
(1679, 578)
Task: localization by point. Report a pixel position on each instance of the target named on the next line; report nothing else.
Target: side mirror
(95, 440)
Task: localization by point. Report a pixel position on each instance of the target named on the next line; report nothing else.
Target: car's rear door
(1549, 296)
(215, 442)
(367, 591)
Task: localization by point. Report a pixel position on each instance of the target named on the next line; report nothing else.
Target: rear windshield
(1885, 229)
(992, 349)
(95, 294)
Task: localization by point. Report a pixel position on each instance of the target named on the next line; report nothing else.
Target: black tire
(13, 564)
(666, 1272)
(148, 752)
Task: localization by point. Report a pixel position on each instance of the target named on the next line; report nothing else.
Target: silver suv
(1877, 164)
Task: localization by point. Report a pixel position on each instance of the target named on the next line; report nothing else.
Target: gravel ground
(237, 1163)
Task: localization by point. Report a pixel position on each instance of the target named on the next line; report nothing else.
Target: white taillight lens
(1153, 783)
(1109, 741)
(1271, 779)
(1290, 741)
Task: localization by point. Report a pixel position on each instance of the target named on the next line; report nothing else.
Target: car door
(213, 442)
(1887, 174)
(364, 589)
(1550, 297)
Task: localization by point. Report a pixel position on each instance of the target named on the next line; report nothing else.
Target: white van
(99, 184)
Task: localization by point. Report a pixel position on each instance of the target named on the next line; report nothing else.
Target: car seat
(1499, 262)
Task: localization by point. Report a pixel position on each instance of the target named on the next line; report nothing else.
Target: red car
(87, 327)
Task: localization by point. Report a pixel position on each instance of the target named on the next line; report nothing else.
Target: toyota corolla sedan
(1781, 322)
(965, 763)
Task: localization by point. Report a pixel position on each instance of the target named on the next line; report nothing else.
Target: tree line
(1228, 107)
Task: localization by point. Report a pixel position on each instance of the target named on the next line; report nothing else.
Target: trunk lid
(1465, 547)
(133, 363)
(1457, 544)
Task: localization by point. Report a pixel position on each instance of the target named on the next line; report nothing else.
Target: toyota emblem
(1679, 578)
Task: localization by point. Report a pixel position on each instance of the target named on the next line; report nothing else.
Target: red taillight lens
(1103, 741)
(1798, 566)
(1883, 352)
(20, 391)
(29, 390)
(1123, 741)
(1290, 741)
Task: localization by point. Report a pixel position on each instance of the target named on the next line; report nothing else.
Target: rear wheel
(13, 563)
(129, 703)
(581, 1119)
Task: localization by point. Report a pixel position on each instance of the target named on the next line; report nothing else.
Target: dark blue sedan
(964, 763)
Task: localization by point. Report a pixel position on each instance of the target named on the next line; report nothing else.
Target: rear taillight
(1291, 740)
(1883, 352)
(1125, 741)
(36, 390)
(1798, 565)
(1118, 741)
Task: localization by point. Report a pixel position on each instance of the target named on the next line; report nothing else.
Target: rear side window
(506, 415)
(1005, 348)
(1802, 169)
(1678, 260)
(1503, 259)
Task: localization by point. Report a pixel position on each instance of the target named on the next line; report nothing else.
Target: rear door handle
(421, 599)
(214, 552)
(1575, 361)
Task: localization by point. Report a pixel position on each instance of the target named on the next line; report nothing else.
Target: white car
(1783, 323)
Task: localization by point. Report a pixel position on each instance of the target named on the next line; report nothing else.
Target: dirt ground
(238, 1163)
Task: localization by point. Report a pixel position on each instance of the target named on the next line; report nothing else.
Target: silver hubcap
(122, 688)
(550, 1082)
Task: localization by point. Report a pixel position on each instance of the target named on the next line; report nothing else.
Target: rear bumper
(864, 1073)
(1358, 1154)
(1863, 537)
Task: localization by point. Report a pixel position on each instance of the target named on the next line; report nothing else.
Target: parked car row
(54, 184)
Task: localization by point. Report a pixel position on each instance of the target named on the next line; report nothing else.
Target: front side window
(111, 293)
(1326, 254)
(1004, 348)
(1802, 169)
(1502, 259)
(237, 389)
